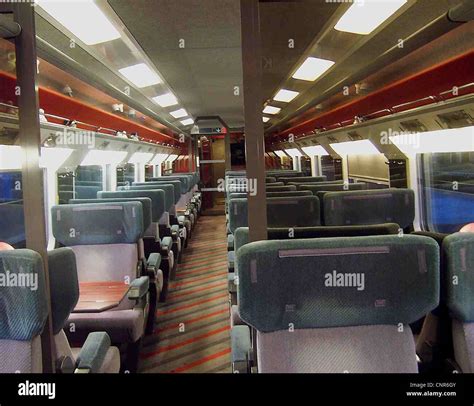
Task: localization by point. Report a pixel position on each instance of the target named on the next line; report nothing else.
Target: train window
(12, 223)
(125, 175)
(447, 181)
(148, 172)
(88, 181)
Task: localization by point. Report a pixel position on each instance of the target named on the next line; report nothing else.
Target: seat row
(346, 304)
(114, 259)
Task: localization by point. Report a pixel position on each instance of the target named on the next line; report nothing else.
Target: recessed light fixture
(271, 110)
(188, 121)
(83, 18)
(165, 100)
(140, 75)
(312, 68)
(179, 113)
(286, 96)
(363, 18)
(265, 119)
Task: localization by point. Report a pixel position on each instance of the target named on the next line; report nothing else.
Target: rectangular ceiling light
(312, 68)
(363, 18)
(188, 121)
(361, 147)
(165, 100)
(315, 150)
(271, 110)
(265, 119)
(179, 113)
(140, 75)
(99, 157)
(452, 140)
(83, 18)
(285, 95)
(140, 158)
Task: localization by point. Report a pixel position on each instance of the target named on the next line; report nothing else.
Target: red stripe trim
(191, 321)
(201, 361)
(177, 309)
(185, 342)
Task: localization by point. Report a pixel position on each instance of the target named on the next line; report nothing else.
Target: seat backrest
(458, 289)
(282, 233)
(337, 304)
(303, 179)
(275, 184)
(287, 188)
(290, 193)
(332, 187)
(188, 180)
(23, 311)
(175, 183)
(183, 182)
(281, 212)
(145, 202)
(87, 192)
(105, 238)
(370, 207)
(270, 179)
(157, 198)
(168, 189)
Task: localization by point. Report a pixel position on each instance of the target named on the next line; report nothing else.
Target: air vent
(125, 147)
(456, 119)
(413, 126)
(104, 145)
(332, 140)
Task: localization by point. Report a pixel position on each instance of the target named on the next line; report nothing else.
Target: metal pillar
(228, 157)
(254, 136)
(30, 142)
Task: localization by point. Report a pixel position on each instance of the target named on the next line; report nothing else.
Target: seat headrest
(185, 187)
(303, 179)
(458, 252)
(295, 211)
(283, 233)
(336, 282)
(331, 187)
(23, 305)
(167, 188)
(64, 286)
(286, 188)
(98, 223)
(145, 201)
(156, 196)
(175, 183)
(370, 207)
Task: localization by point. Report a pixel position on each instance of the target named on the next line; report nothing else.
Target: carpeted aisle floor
(193, 328)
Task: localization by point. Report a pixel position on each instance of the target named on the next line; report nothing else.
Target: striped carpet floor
(193, 330)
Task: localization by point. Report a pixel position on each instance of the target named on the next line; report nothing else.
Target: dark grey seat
(335, 304)
(364, 207)
(106, 239)
(458, 249)
(96, 355)
(23, 312)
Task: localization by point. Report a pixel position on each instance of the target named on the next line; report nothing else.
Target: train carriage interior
(237, 186)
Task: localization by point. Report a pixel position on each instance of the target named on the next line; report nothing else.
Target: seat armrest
(139, 288)
(93, 352)
(167, 244)
(241, 349)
